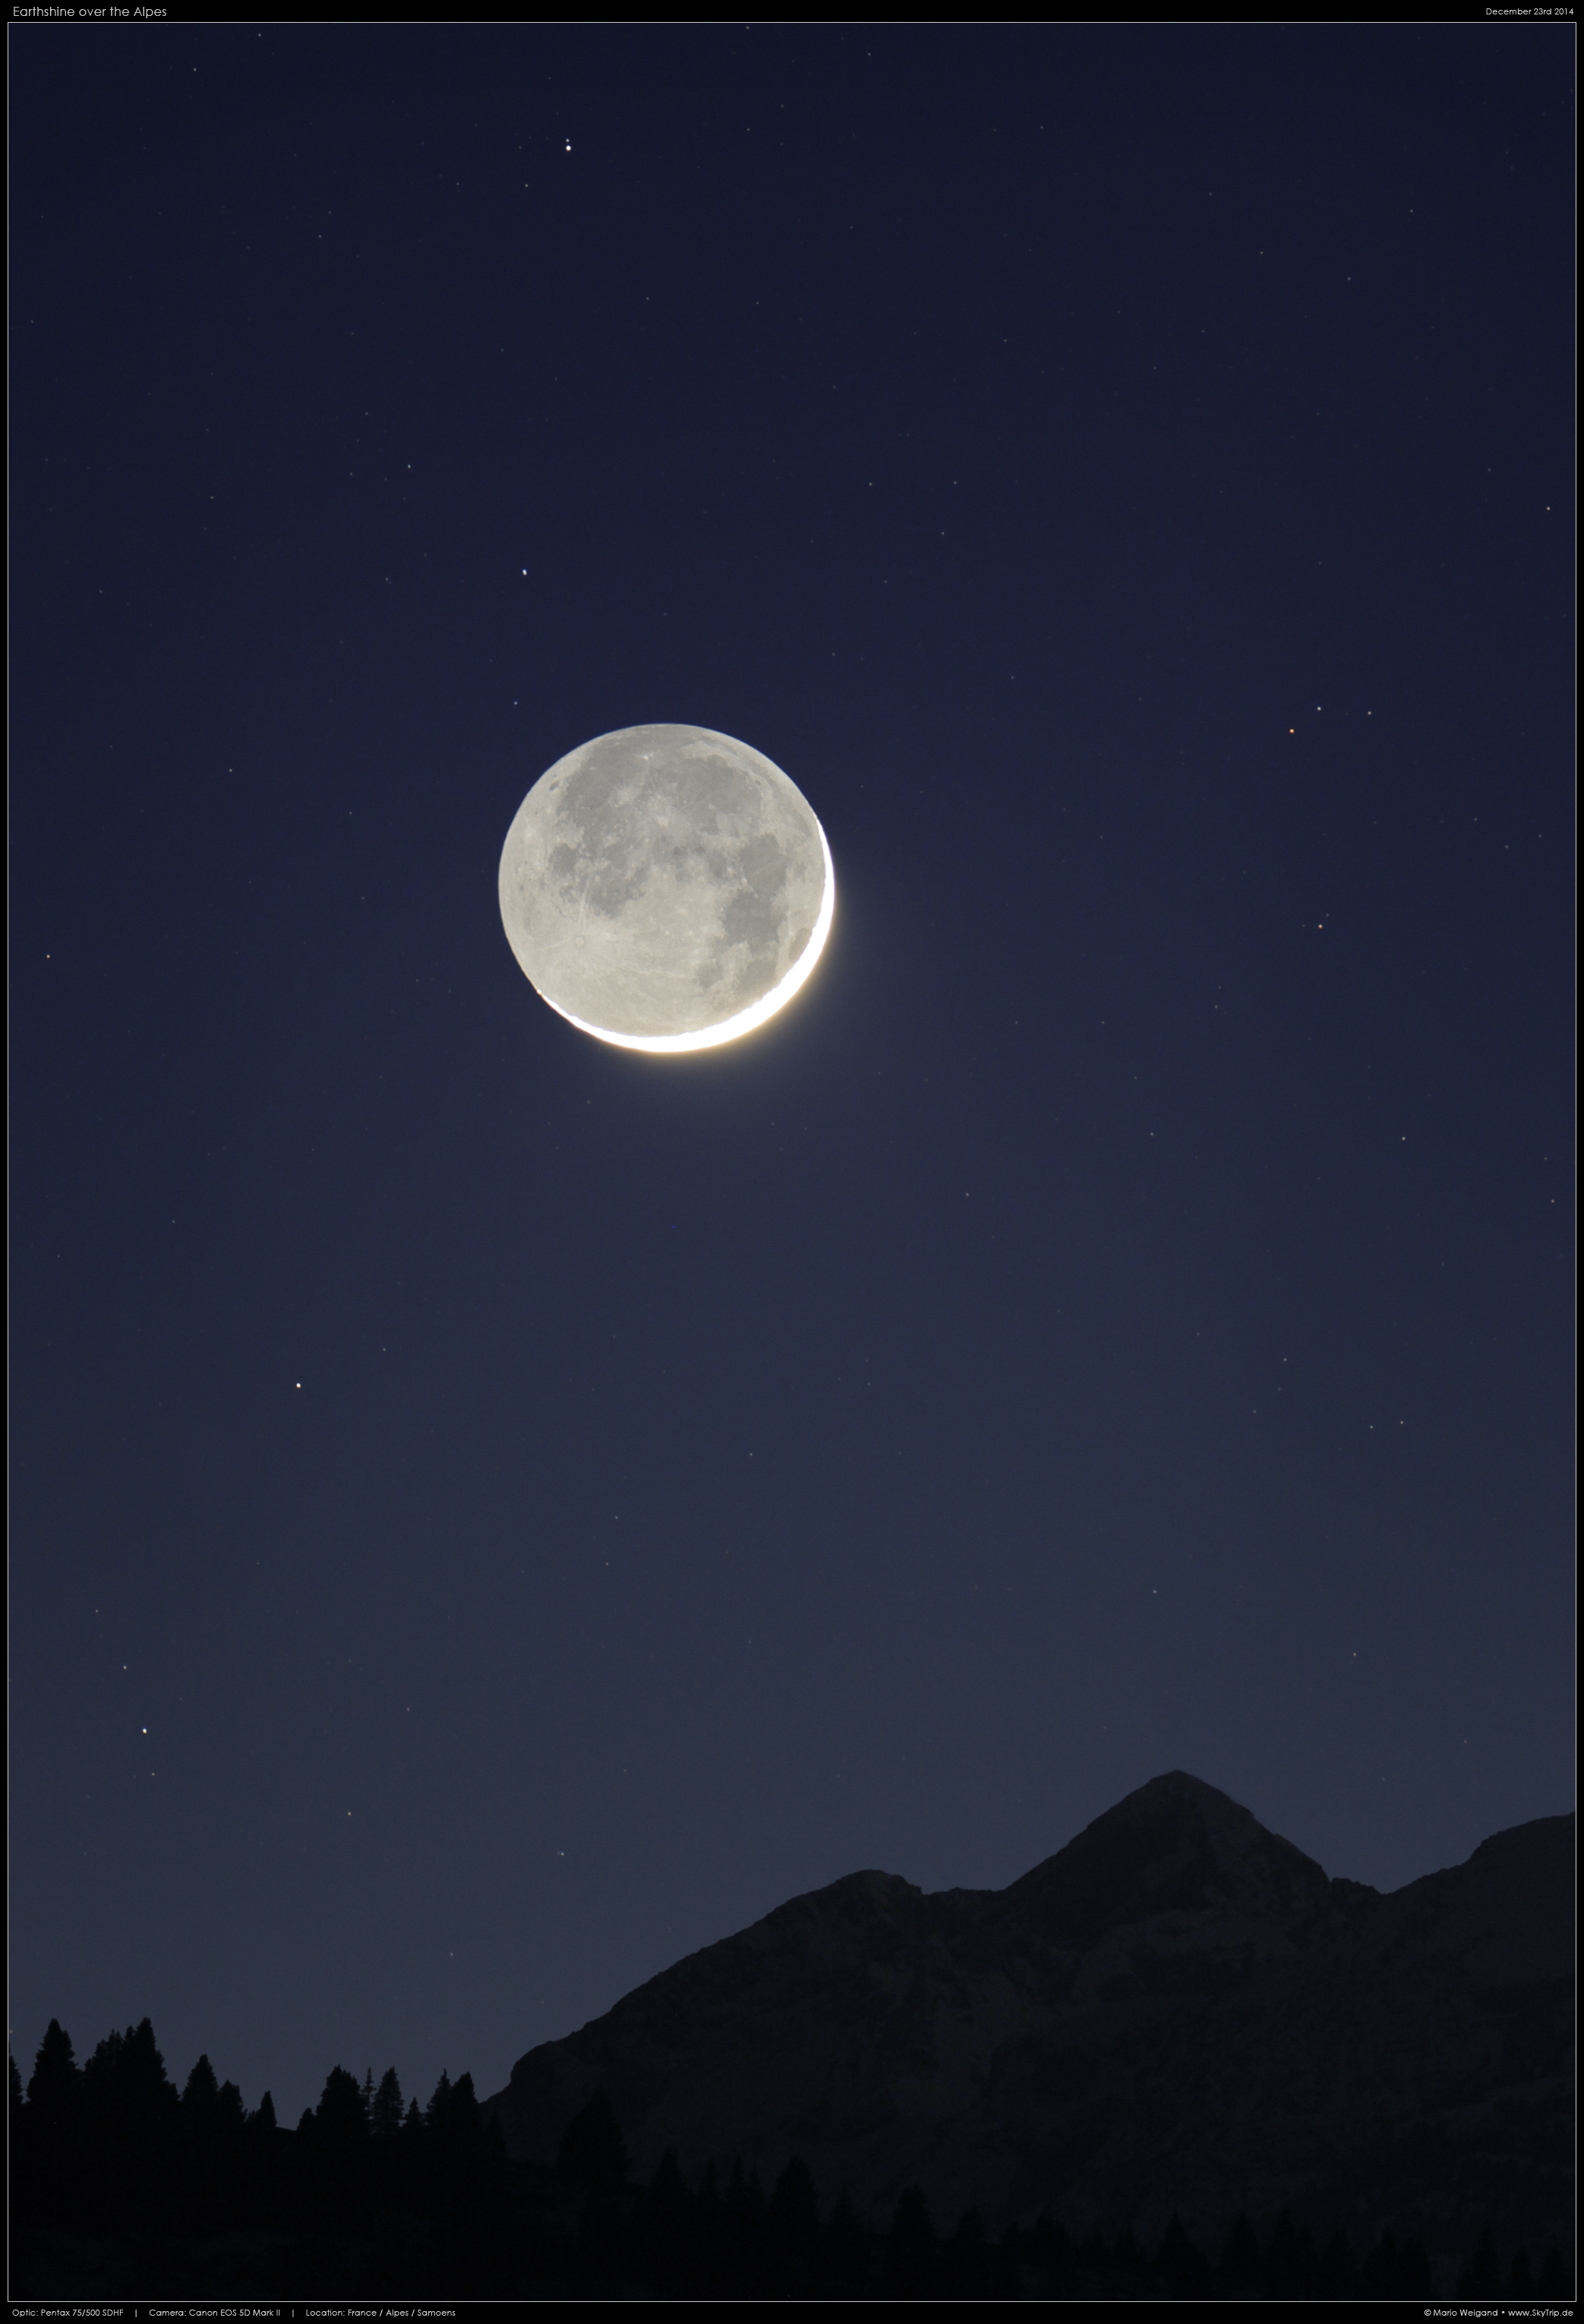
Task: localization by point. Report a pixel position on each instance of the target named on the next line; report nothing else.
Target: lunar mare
(665, 887)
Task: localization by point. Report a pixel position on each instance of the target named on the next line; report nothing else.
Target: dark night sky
(493, 1513)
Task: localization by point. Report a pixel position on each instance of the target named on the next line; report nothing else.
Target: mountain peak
(1176, 2012)
(1174, 1844)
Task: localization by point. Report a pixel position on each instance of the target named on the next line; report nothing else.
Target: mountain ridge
(1178, 2010)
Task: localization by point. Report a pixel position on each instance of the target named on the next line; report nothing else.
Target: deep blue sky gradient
(546, 1506)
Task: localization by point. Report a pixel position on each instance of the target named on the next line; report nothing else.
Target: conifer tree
(265, 2168)
(1555, 2279)
(843, 2250)
(467, 2124)
(131, 2119)
(1338, 2272)
(339, 2121)
(409, 2150)
(336, 2151)
(437, 2113)
(1241, 2268)
(1289, 2263)
(792, 2231)
(1183, 2263)
(200, 2098)
(199, 2197)
(54, 2084)
(910, 2248)
(594, 2153)
(659, 2243)
(1482, 2277)
(52, 2152)
(965, 2262)
(1007, 2266)
(742, 2234)
(385, 2113)
(1394, 2272)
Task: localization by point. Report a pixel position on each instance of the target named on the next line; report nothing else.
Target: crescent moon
(667, 889)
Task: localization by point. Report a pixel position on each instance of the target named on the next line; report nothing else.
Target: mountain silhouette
(1179, 2011)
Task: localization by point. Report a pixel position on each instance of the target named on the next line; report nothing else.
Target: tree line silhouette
(111, 2150)
(374, 2198)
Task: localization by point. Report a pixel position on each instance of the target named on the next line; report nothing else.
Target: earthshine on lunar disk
(665, 887)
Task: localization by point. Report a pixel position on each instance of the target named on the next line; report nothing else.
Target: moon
(665, 887)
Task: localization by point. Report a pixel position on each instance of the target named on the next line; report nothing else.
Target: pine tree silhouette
(52, 2154)
(708, 2278)
(1338, 2273)
(593, 2156)
(1394, 2271)
(131, 2120)
(23, 2212)
(843, 2252)
(53, 2147)
(201, 2094)
(1049, 2249)
(1289, 2264)
(334, 2170)
(792, 2232)
(742, 2234)
(1555, 2281)
(965, 2262)
(202, 2165)
(265, 2167)
(54, 2086)
(1007, 2266)
(385, 2109)
(465, 2188)
(1183, 2263)
(1241, 2269)
(910, 2248)
(594, 2153)
(339, 2118)
(437, 2112)
(660, 2242)
(467, 2123)
(1482, 2277)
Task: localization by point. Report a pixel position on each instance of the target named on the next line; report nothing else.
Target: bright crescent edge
(747, 1021)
